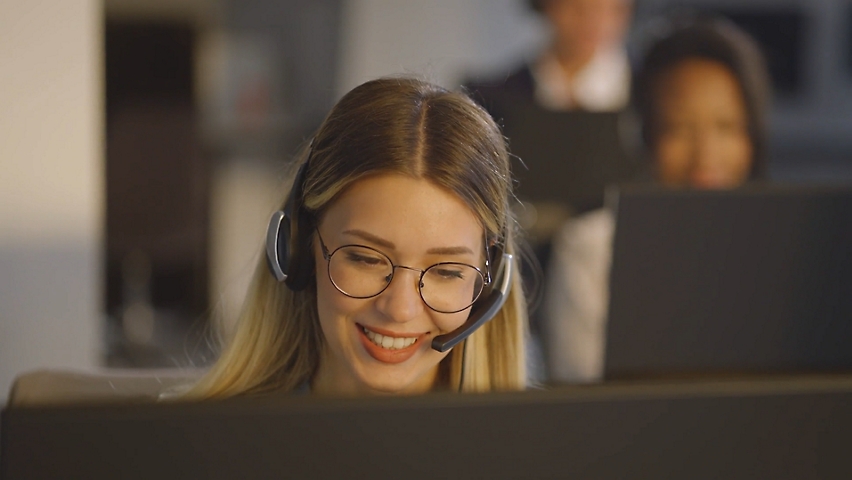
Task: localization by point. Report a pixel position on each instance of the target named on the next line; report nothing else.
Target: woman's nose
(401, 301)
(704, 149)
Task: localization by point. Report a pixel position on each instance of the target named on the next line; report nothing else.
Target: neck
(332, 381)
(570, 60)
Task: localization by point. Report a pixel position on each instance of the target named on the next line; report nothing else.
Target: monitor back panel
(567, 157)
(752, 280)
(775, 429)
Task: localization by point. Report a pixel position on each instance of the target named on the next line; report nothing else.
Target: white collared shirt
(602, 85)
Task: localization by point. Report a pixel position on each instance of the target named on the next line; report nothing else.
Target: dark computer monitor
(753, 280)
(567, 157)
(776, 428)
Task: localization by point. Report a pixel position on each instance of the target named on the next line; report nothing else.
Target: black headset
(288, 248)
(290, 260)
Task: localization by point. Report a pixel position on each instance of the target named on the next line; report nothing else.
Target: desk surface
(781, 427)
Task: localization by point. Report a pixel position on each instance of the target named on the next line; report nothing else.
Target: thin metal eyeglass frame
(486, 277)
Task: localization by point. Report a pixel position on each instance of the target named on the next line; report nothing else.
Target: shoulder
(594, 228)
(584, 243)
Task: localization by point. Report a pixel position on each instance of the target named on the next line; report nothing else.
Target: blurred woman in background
(702, 92)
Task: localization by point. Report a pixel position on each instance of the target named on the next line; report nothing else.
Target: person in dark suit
(584, 67)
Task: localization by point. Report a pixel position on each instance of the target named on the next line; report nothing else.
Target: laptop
(775, 428)
(566, 157)
(754, 280)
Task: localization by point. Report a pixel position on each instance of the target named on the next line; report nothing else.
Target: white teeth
(390, 343)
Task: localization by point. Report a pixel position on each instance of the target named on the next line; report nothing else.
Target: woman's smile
(390, 347)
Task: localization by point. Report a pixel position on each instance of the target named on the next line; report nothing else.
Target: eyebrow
(387, 244)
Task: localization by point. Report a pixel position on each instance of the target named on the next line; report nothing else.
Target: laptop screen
(750, 280)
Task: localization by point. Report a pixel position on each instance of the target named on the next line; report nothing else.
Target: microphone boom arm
(483, 312)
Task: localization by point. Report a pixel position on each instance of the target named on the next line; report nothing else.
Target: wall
(51, 185)
(443, 40)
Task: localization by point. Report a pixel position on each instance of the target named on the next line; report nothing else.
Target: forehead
(405, 210)
(697, 77)
(588, 4)
(699, 88)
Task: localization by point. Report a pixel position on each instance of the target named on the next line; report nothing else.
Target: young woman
(701, 93)
(395, 242)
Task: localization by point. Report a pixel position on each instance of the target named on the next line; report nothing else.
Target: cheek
(326, 310)
(332, 306)
(447, 322)
(738, 158)
(671, 156)
(325, 290)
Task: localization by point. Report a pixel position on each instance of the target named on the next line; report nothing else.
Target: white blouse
(602, 85)
(577, 298)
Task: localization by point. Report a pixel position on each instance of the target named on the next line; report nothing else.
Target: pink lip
(385, 355)
(708, 180)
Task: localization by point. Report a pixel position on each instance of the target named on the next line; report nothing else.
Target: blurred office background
(143, 143)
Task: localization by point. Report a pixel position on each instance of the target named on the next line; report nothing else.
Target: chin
(710, 181)
(392, 385)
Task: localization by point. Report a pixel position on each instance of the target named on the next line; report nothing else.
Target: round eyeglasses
(358, 271)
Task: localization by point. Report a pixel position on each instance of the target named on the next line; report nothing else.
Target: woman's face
(702, 138)
(415, 224)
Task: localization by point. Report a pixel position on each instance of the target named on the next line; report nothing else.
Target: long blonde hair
(405, 126)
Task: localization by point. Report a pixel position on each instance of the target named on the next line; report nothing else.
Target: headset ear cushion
(495, 260)
(283, 252)
(301, 256)
(278, 245)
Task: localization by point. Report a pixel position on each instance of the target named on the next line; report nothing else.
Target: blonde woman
(391, 267)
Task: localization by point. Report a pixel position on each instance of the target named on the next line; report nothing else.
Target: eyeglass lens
(362, 272)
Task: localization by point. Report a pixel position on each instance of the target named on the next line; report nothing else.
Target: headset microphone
(482, 311)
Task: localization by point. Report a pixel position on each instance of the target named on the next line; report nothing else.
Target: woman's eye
(366, 260)
(449, 273)
(729, 127)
